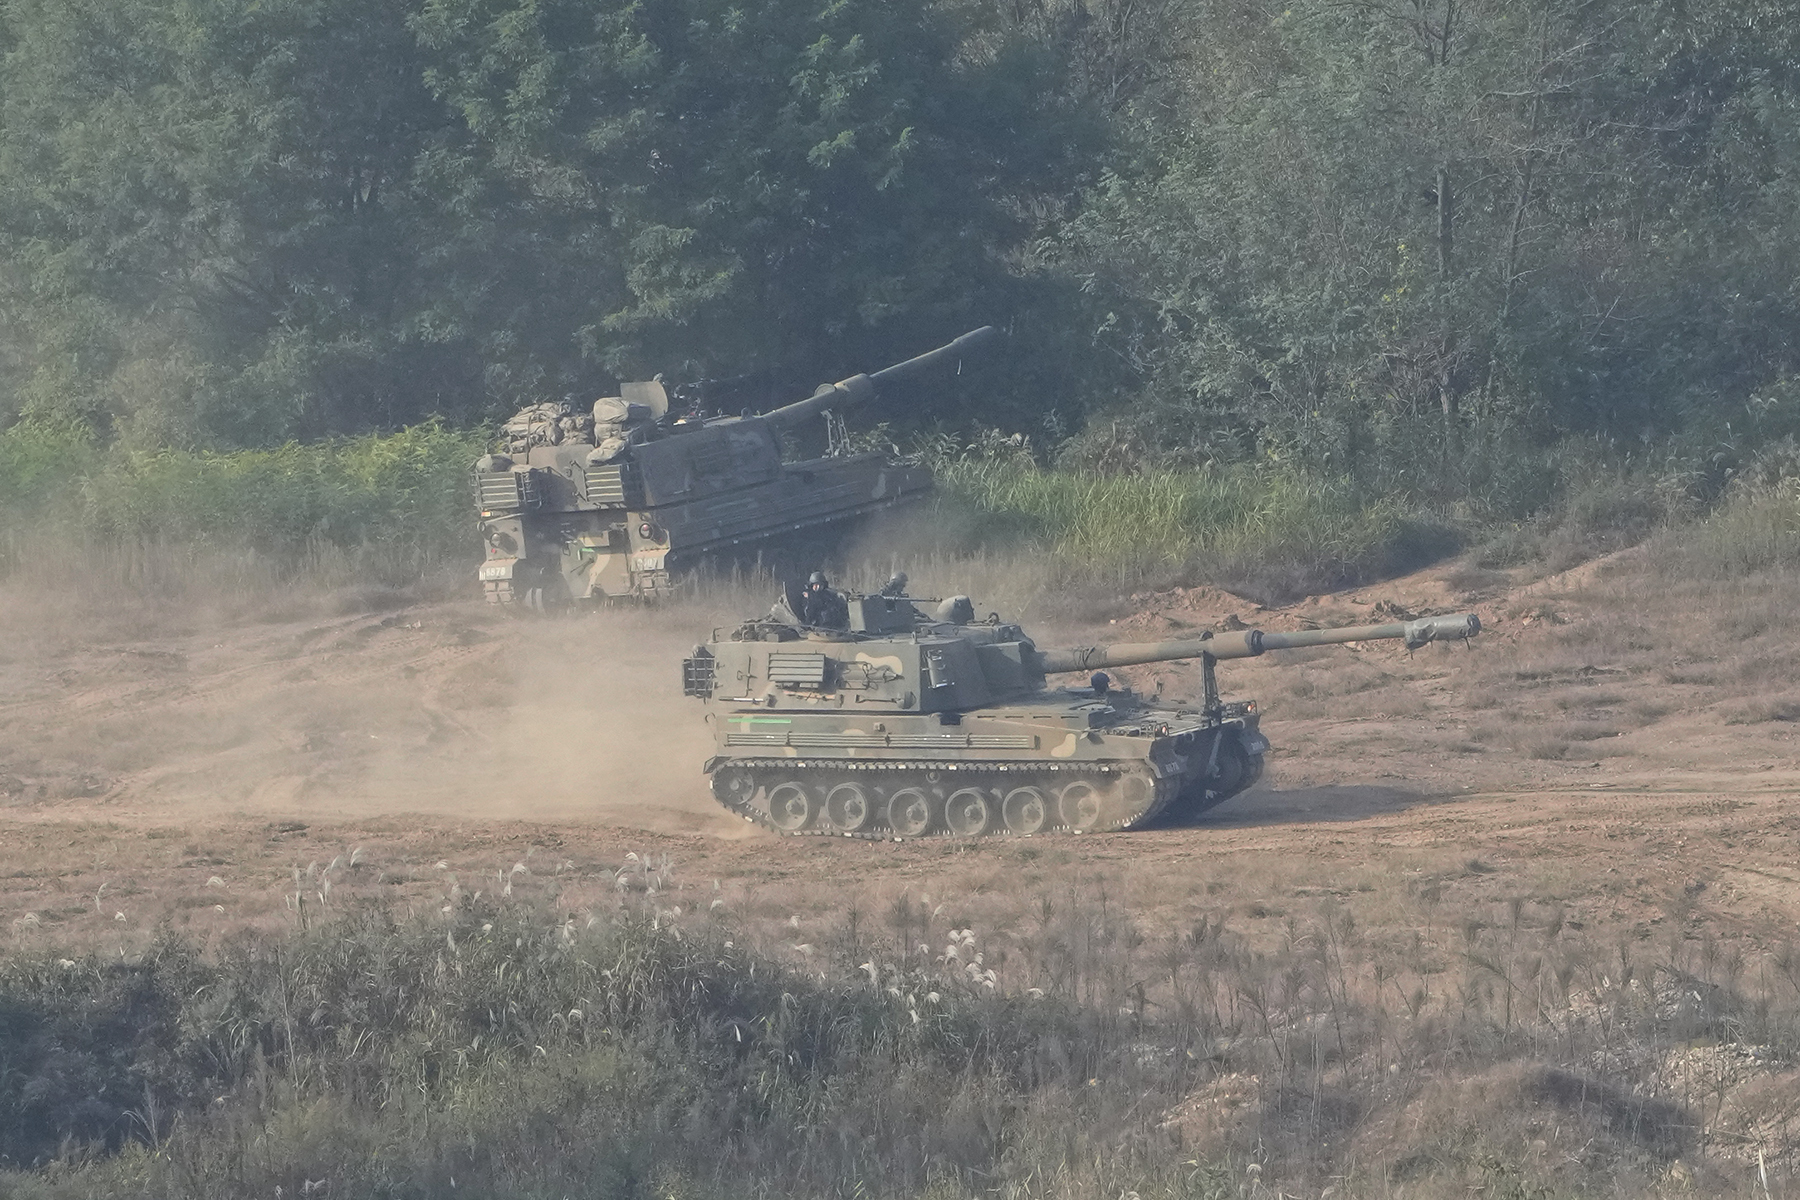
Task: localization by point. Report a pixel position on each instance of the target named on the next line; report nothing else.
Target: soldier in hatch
(821, 607)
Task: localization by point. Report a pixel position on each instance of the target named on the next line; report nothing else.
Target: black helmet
(817, 579)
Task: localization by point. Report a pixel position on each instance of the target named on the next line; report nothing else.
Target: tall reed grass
(380, 509)
(409, 491)
(1271, 532)
(1756, 529)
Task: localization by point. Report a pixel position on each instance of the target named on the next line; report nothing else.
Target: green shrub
(42, 465)
(1273, 533)
(383, 508)
(408, 490)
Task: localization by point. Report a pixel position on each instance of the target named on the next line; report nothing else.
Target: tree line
(1407, 241)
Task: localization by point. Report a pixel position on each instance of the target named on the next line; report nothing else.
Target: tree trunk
(1446, 382)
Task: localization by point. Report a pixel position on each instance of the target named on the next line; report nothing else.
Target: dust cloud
(207, 694)
(571, 718)
(304, 711)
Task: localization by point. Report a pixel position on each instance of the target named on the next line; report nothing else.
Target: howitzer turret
(915, 720)
(608, 503)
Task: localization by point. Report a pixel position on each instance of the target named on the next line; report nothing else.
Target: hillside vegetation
(1415, 247)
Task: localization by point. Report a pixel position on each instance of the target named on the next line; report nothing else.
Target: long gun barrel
(1251, 642)
(859, 388)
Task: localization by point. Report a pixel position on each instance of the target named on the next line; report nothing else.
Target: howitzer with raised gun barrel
(917, 719)
(590, 505)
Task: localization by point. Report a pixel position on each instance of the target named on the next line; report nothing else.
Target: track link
(900, 801)
(1234, 772)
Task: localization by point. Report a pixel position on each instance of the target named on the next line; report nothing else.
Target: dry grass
(1773, 708)
(1370, 1033)
(1550, 749)
(1599, 663)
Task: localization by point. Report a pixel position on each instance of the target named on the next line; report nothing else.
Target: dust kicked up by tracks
(446, 709)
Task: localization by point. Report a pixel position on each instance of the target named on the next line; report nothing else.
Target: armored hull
(906, 723)
(1068, 760)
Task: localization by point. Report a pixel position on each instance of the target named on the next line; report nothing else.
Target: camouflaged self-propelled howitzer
(581, 506)
(908, 723)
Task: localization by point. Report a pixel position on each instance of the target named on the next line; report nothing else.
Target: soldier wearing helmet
(821, 607)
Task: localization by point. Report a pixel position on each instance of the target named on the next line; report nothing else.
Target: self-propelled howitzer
(581, 505)
(914, 721)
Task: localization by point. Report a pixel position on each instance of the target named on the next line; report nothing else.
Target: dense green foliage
(1461, 227)
(1408, 243)
(235, 223)
(409, 490)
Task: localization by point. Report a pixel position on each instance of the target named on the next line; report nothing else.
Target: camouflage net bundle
(546, 425)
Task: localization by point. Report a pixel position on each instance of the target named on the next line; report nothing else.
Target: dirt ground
(1588, 753)
(1607, 775)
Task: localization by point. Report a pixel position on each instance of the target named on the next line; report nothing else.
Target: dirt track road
(209, 777)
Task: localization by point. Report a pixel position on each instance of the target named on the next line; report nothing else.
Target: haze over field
(324, 878)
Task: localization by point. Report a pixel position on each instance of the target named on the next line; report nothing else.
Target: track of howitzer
(1022, 799)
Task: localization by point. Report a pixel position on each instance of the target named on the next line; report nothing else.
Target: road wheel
(911, 813)
(733, 788)
(1136, 794)
(1080, 804)
(968, 812)
(1231, 771)
(1026, 810)
(850, 808)
(792, 806)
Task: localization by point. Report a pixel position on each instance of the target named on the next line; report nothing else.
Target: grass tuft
(1756, 529)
